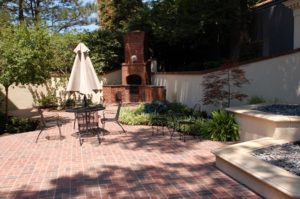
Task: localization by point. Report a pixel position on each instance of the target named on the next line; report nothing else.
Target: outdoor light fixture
(133, 58)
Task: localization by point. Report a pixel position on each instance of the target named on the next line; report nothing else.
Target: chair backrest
(87, 118)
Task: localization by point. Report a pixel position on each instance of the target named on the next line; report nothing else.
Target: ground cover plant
(256, 100)
(162, 114)
(17, 125)
(221, 126)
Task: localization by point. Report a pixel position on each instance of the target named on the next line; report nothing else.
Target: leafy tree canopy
(184, 34)
(123, 15)
(62, 46)
(106, 49)
(25, 56)
(59, 15)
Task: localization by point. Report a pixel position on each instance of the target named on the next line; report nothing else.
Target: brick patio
(136, 165)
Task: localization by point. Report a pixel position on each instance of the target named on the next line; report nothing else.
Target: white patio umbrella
(83, 78)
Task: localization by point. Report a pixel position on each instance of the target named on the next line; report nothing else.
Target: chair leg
(103, 124)
(152, 130)
(39, 135)
(173, 131)
(80, 140)
(74, 121)
(98, 136)
(185, 133)
(172, 134)
(121, 127)
(59, 130)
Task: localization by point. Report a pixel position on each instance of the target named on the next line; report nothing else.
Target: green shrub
(162, 114)
(221, 127)
(160, 120)
(69, 102)
(47, 101)
(129, 117)
(18, 125)
(2, 122)
(256, 100)
(179, 108)
(155, 107)
(139, 109)
(197, 127)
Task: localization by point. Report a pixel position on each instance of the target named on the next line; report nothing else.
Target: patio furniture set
(88, 122)
(87, 119)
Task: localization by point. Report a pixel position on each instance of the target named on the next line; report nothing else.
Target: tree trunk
(21, 10)
(35, 9)
(6, 104)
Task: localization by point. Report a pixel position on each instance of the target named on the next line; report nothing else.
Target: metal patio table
(87, 112)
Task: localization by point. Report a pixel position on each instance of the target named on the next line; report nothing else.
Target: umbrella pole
(86, 114)
(85, 101)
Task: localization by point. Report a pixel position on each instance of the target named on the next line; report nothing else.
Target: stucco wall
(276, 79)
(20, 96)
(112, 78)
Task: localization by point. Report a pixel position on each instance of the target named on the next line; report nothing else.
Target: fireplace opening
(134, 80)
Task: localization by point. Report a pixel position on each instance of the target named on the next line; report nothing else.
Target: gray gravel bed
(286, 156)
(281, 109)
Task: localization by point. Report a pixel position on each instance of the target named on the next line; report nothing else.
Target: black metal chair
(113, 117)
(48, 122)
(182, 122)
(159, 121)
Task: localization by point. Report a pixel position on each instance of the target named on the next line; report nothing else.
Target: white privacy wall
(184, 88)
(274, 79)
(21, 98)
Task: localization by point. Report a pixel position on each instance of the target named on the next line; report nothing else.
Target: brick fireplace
(135, 75)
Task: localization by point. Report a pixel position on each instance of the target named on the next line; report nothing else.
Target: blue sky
(88, 1)
(91, 27)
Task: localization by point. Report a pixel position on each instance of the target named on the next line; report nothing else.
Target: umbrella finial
(81, 47)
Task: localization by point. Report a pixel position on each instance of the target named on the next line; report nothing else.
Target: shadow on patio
(174, 180)
(145, 141)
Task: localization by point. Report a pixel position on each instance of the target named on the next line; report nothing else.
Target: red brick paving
(136, 165)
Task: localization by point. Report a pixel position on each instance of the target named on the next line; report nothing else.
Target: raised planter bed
(256, 124)
(260, 130)
(267, 180)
